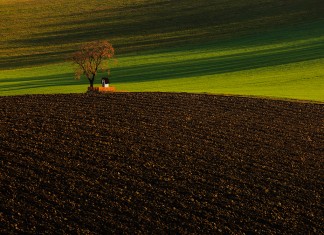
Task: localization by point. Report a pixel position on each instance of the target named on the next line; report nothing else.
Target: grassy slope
(218, 47)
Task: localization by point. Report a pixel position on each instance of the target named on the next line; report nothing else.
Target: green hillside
(251, 47)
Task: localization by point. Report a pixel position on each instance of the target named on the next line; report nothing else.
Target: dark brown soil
(160, 163)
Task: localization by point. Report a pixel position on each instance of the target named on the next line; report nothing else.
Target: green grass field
(255, 47)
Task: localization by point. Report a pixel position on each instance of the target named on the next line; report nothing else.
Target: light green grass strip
(303, 81)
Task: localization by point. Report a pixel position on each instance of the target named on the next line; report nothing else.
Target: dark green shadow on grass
(25, 83)
(14, 62)
(305, 31)
(219, 64)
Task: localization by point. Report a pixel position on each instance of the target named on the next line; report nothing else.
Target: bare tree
(91, 57)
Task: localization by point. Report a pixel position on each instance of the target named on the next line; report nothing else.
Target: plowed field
(160, 163)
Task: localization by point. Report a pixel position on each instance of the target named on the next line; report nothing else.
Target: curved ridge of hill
(159, 162)
(36, 32)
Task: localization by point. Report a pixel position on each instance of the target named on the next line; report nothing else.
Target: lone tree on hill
(91, 57)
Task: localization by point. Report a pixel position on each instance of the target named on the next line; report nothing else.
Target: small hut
(105, 86)
(105, 82)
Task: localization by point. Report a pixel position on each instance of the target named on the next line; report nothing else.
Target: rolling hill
(255, 47)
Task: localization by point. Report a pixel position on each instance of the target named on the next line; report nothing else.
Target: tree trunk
(91, 83)
(91, 80)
